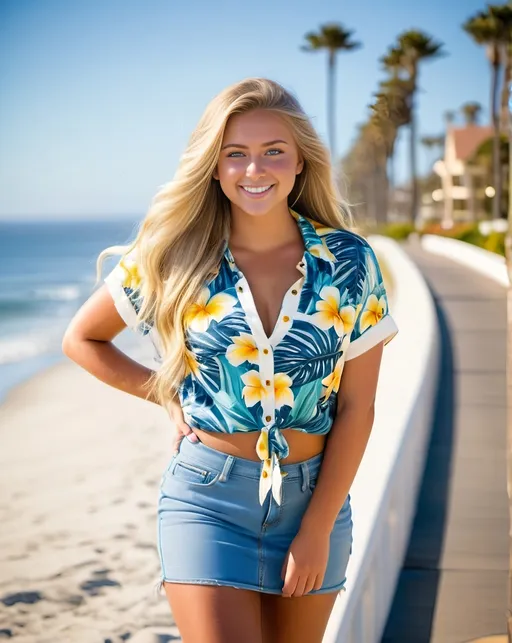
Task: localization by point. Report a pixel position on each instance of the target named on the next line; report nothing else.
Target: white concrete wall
(385, 490)
(487, 263)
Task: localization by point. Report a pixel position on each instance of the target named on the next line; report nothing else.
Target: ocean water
(47, 270)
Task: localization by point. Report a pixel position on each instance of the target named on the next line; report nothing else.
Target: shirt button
(240, 289)
(265, 350)
(268, 418)
(264, 474)
(286, 318)
(267, 382)
(294, 292)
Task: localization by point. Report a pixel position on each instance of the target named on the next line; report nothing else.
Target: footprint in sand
(93, 586)
(28, 598)
(142, 545)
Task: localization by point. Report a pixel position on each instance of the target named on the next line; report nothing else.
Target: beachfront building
(463, 184)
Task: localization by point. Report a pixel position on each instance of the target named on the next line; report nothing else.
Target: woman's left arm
(306, 562)
(347, 440)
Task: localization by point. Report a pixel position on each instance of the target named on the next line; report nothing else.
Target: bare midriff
(302, 446)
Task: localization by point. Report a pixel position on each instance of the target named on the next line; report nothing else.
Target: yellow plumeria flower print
(262, 446)
(199, 315)
(320, 228)
(374, 311)
(332, 381)
(330, 314)
(282, 390)
(254, 390)
(243, 349)
(321, 251)
(132, 279)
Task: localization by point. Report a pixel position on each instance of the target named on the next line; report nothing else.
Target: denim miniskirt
(212, 529)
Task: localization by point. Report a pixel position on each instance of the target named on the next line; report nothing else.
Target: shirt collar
(311, 232)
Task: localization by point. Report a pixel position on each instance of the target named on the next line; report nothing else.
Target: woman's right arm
(88, 342)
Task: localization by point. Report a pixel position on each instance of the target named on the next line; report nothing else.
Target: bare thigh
(211, 614)
(295, 620)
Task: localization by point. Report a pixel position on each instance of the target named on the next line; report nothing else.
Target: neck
(265, 232)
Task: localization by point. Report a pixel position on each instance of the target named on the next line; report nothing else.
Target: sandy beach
(80, 467)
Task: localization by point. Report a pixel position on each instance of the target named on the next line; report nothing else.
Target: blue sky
(98, 97)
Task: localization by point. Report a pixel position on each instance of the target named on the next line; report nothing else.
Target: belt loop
(228, 464)
(305, 475)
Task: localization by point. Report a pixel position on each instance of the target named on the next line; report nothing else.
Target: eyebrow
(244, 147)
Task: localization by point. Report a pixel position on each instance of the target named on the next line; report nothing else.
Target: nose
(255, 169)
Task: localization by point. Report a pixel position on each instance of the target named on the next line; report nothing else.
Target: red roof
(468, 139)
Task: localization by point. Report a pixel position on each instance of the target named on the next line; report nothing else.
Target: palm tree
(471, 112)
(501, 16)
(392, 104)
(507, 81)
(365, 163)
(493, 29)
(412, 48)
(334, 38)
(380, 134)
(375, 140)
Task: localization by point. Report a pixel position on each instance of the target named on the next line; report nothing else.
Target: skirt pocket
(195, 475)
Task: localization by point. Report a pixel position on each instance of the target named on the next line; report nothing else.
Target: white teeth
(256, 190)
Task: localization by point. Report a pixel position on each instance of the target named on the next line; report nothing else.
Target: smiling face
(258, 162)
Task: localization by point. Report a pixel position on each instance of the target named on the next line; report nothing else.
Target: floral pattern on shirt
(238, 379)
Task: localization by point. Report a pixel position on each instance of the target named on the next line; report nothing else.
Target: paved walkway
(453, 585)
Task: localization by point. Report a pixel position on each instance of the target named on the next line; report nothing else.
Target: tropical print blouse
(238, 379)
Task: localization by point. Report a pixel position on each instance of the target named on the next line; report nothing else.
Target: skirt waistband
(199, 453)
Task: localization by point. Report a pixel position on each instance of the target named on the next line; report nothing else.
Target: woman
(259, 298)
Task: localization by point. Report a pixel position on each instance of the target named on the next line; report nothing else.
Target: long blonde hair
(180, 242)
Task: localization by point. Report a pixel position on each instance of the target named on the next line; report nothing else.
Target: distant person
(270, 316)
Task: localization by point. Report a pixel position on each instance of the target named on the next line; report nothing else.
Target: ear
(215, 174)
(300, 166)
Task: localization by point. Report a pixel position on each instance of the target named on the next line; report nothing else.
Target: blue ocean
(47, 270)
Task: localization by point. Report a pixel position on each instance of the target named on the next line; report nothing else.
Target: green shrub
(456, 232)
(397, 231)
(495, 242)
(470, 233)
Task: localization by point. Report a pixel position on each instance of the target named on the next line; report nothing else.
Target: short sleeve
(373, 323)
(123, 283)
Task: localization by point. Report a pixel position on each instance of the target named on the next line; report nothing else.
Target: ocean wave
(13, 307)
(16, 349)
(29, 302)
(68, 292)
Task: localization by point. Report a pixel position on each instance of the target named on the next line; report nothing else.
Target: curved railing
(487, 263)
(385, 490)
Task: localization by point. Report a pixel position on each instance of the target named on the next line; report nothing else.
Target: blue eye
(272, 150)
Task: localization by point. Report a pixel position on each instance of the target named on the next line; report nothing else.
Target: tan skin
(267, 246)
